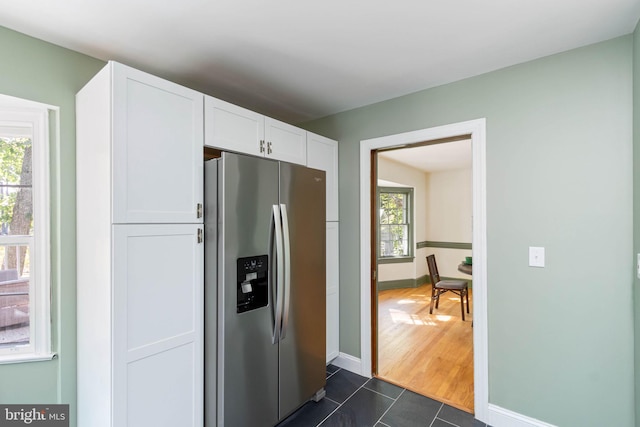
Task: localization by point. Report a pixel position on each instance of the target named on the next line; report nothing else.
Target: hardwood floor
(429, 354)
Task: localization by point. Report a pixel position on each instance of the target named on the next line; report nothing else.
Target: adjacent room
(424, 208)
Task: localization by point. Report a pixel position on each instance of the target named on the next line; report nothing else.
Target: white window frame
(17, 113)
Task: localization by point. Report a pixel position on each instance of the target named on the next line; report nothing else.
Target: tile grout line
(332, 373)
(382, 394)
(325, 418)
(331, 400)
(445, 421)
(434, 418)
(340, 405)
(390, 406)
(330, 413)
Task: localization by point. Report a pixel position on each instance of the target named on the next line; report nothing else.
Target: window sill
(396, 260)
(23, 358)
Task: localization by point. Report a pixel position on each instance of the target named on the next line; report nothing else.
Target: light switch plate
(536, 256)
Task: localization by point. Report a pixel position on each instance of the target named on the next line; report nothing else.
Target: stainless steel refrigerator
(265, 289)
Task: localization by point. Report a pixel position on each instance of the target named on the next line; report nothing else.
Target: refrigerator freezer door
(247, 356)
(302, 350)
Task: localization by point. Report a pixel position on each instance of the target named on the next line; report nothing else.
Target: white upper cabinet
(285, 142)
(157, 138)
(322, 153)
(233, 128)
(229, 127)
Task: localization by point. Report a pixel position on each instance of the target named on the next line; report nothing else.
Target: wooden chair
(438, 287)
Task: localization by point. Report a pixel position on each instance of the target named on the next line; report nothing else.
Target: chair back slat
(433, 269)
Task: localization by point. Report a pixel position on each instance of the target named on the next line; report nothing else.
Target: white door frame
(477, 130)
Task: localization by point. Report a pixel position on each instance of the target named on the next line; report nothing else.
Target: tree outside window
(395, 225)
(16, 235)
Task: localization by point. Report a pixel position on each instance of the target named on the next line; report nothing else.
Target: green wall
(559, 175)
(636, 208)
(39, 71)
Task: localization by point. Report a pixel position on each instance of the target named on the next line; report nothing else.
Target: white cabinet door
(322, 153)
(229, 127)
(157, 149)
(333, 291)
(285, 142)
(158, 322)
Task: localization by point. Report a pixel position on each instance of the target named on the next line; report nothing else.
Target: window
(25, 329)
(395, 225)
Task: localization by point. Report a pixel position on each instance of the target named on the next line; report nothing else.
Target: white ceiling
(297, 60)
(435, 157)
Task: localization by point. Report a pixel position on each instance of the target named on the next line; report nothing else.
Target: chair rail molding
(477, 131)
(444, 245)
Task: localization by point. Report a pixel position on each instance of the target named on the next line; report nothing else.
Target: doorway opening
(424, 207)
(475, 131)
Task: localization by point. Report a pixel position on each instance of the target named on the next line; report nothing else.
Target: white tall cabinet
(139, 251)
(322, 153)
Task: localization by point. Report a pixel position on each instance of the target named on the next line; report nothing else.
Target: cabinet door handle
(200, 235)
(269, 150)
(262, 145)
(199, 210)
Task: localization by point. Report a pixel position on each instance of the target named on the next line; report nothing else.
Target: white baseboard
(348, 362)
(500, 417)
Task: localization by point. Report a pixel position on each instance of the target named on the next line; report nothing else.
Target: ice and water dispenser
(252, 283)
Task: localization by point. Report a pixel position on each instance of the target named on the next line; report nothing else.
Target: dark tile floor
(355, 401)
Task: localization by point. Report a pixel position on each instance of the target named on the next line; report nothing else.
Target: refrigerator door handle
(279, 282)
(287, 270)
(273, 295)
